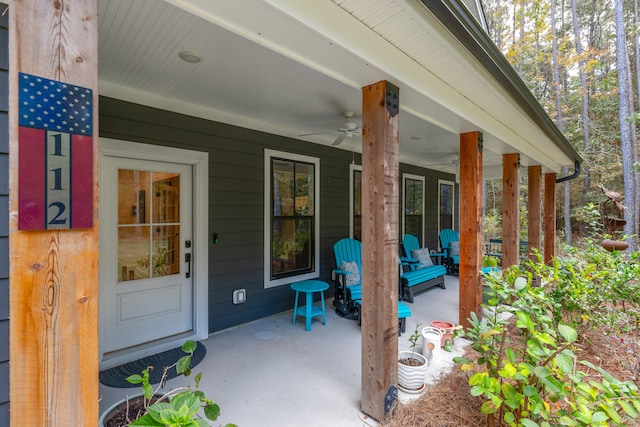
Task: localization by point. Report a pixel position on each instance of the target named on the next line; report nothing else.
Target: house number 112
(58, 185)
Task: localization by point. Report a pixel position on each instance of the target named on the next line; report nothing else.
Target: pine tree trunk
(558, 99)
(626, 124)
(584, 91)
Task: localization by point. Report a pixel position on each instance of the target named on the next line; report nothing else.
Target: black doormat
(116, 377)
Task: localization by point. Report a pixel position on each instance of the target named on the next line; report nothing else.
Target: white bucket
(431, 338)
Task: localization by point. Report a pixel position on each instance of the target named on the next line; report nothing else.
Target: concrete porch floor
(272, 373)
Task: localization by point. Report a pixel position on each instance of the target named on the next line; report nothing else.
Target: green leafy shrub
(179, 407)
(528, 373)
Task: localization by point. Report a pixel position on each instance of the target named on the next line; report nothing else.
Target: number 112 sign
(55, 155)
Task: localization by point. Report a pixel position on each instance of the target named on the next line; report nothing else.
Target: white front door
(147, 255)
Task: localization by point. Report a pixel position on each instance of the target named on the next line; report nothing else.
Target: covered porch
(272, 373)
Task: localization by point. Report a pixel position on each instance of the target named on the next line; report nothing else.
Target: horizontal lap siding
(4, 219)
(236, 174)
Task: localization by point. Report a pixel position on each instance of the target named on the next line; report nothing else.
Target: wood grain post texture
(470, 225)
(534, 227)
(510, 209)
(54, 274)
(380, 274)
(549, 217)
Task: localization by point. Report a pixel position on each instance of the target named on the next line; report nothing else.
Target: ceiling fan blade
(318, 133)
(339, 139)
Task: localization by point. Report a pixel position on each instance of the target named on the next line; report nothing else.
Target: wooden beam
(534, 205)
(380, 274)
(510, 209)
(470, 225)
(549, 217)
(54, 274)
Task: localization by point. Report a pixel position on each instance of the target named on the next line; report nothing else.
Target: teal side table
(309, 310)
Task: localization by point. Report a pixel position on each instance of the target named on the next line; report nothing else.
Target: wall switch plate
(239, 296)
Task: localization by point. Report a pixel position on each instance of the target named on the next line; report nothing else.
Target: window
(148, 224)
(445, 204)
(291, 217)
(413, 217)
(355, 200)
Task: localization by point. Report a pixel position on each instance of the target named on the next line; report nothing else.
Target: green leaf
(189, 346)
(134, 379)
(564, 362)
(183, 364)
(523, 321)
(212, 412)
(186, 401)
(526, 422)
(628, 408)
(147, 390)
(511, 355)
(146, 421)
(520, 283)
(508, 371)
(157, 408)
(477, 390)
(509, 417)
(477, 378)
(611, 411)
(488, 408)
(568, 333)
(459, 359)
(599, 417)
(529, 391)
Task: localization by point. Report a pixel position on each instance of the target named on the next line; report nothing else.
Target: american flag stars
(52, 105)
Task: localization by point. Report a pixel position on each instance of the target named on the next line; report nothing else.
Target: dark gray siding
(236, 174)
(4, 219)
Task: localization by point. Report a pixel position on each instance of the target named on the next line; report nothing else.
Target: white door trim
(200, 267)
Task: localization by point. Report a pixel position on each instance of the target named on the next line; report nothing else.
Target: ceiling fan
(347, 129)
(454, 163)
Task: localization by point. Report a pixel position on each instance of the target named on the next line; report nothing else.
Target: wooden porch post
(380, 274)
(535, 209)
(549, 217)
(470, 225)
(510, 209)
(54, 273)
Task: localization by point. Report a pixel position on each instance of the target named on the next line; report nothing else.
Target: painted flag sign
(55, 154)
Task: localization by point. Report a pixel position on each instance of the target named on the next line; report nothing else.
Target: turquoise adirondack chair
(451, 257)
(348, 282)
(410, 243)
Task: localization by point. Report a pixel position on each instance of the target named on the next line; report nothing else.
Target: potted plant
(179, 407)
(412, 366)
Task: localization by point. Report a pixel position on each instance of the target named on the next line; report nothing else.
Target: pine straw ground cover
(448, 403)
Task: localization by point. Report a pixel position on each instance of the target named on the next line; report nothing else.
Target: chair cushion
(423, 256)
(455, 249)
(353, 278)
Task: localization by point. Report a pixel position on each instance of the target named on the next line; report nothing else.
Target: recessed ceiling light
(190, 56)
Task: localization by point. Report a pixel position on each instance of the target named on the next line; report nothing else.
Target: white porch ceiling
(293, 67)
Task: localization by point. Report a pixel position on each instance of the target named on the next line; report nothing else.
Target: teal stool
(309, 310)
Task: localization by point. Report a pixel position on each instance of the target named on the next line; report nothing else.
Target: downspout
(574, 175)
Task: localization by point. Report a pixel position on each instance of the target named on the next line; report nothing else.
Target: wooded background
(581, 59)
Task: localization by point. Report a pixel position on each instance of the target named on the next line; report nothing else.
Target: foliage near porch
(567, 356)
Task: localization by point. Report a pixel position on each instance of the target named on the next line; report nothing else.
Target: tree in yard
(627, 125)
